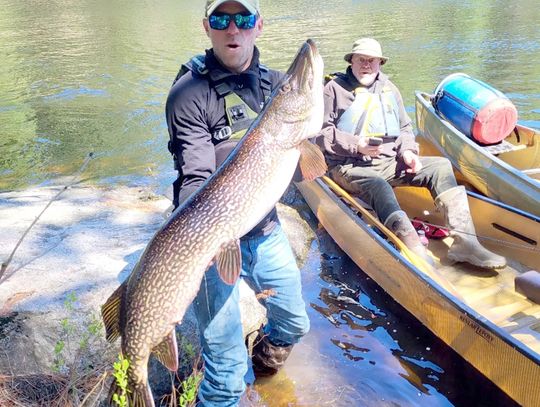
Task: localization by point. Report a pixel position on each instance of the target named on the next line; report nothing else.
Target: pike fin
(110, 312)
(167, 352)
(312, 163)
(229, 262)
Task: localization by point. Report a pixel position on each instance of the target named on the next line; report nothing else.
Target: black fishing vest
(239, 114)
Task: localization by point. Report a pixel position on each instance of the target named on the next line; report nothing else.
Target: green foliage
(59, 362)
(120, 368)
(190, 361)
(69, 302)
(189, 389)
(75, 339)
(188, 349)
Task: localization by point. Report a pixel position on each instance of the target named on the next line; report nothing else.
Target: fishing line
(68, 185)
(500, 242)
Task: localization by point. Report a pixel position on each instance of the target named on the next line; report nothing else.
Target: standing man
(370, 147)
(212, 102)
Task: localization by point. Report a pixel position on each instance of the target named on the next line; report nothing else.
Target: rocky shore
(79, 250)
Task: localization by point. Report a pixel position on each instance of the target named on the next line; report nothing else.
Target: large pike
(207, 227)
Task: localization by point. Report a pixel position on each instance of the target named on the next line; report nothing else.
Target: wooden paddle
(416, 260)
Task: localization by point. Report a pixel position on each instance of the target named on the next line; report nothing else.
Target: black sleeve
(275, 78)
(188, 128)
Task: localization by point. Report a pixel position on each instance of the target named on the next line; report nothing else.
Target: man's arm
(187, 124)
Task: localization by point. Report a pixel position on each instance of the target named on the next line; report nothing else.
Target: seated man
(369, 145)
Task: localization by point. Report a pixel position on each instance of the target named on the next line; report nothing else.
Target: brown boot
(466, 247)
(268, 358)
(399, 223)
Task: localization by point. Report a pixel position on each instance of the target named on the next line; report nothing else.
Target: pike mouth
(306, 68)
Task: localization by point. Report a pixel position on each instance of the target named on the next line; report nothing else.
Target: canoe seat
(503, 147)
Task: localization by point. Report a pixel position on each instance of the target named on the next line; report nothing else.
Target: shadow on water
(364, 349)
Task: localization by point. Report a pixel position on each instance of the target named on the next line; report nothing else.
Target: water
(366, 350)
(92, 76)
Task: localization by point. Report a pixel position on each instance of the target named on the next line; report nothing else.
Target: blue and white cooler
(479, 111)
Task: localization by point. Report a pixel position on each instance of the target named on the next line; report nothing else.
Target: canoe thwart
(528, 284)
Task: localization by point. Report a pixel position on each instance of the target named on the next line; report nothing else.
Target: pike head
(297, 104)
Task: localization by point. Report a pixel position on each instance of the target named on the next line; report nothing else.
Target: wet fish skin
(145, 309)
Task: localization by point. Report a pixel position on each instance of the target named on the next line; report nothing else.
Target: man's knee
(359, 180)
(438, 165)
(378, 184)
(446, 166)
(288, 327)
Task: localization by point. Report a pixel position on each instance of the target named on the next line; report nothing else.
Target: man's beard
(367, 80)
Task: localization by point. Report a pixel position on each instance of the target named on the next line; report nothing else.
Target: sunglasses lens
(245, 22)
(219, 22)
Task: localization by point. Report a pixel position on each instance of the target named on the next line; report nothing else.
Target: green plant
(188, 350)
(76, 351)
(67, 328)
(189, 386)
(120, 368)
(59, 362)
(75, 339)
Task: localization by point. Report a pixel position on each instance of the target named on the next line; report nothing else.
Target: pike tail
(139, 395)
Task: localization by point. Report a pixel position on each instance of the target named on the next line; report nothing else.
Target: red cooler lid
(494, 121)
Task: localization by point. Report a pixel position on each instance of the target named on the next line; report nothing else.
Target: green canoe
(508, 171)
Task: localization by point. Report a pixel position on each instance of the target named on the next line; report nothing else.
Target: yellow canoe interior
(525, 155)
(475, 311)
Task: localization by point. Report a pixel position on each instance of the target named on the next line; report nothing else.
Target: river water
(92, 76)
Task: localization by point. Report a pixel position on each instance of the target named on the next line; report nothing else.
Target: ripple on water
(72, 93)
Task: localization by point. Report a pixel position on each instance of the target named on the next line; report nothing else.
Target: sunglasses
(221, 21)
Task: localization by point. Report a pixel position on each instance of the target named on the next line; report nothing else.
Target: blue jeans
(267, 263)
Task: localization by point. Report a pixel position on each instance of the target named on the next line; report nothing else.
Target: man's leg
(269, 264)
(436, 175)
(372, 184)
(223, 348)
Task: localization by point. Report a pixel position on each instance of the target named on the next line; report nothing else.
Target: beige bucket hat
(368, 47)
(251, 5)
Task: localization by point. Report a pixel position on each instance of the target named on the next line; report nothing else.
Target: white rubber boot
(399, 223)
(466, 247)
